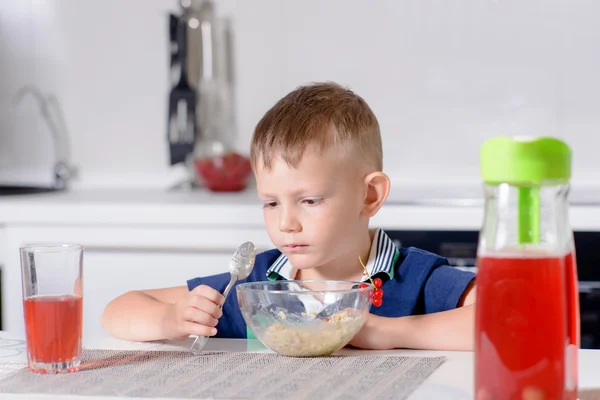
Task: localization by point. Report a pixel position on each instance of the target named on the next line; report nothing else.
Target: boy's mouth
(294, 246)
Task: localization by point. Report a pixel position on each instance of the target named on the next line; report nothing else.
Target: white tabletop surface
(452, 380)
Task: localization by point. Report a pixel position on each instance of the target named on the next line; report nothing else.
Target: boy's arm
(137, 315)
(444, 330)
(170, 313)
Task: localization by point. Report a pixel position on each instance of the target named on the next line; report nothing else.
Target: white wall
(441, 75)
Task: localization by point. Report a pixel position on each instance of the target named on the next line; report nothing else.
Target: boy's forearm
(135, 316)
(448, 330)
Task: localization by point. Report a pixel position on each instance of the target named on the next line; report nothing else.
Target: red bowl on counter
(226, 173)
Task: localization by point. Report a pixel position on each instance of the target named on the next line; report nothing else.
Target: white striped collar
(382, 258)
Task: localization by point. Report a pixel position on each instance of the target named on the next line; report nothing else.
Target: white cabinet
(122, 258)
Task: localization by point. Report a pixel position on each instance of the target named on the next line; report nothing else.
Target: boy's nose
(288, 222)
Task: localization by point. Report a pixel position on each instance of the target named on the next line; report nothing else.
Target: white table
(452, 380)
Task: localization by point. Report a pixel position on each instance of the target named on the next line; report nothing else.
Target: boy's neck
(347, 268)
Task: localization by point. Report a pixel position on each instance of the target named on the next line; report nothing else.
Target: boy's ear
(378, 189)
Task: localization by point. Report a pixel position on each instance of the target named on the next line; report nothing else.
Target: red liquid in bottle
(573, 330)
(520, 326)
(53, 327)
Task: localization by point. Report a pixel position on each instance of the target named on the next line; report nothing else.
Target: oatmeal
(320, 338)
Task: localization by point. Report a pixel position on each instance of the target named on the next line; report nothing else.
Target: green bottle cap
(525, 161)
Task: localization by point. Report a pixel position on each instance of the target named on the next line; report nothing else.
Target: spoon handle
(232, 281)
(200, 341)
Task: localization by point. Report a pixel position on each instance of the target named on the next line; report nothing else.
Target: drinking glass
(53, 306)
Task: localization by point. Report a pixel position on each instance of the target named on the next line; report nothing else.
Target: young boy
(317, 158)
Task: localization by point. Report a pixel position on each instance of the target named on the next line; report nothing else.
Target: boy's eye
(311, 202)
(270, 204)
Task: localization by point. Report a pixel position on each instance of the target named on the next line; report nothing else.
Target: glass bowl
(305, 318)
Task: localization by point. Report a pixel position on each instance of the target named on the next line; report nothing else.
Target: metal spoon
(240, 267)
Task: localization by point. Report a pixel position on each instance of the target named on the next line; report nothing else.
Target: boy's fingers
(203, 304)
(199, 330)
(192, 314)
(210, 293)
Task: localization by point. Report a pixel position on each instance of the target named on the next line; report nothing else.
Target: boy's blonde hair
(320, 114)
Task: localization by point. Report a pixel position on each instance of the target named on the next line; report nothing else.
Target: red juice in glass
(53, 328)
(53, 306)
(520, 326)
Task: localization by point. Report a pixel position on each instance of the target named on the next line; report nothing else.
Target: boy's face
(313, 213)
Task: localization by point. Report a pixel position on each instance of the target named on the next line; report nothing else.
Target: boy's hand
(196, 313)
(372, 335)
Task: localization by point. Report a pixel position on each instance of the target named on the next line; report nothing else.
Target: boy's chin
(303, 261)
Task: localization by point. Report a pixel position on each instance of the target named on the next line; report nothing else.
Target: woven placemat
(225, 375)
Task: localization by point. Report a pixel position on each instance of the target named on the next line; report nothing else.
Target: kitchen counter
(411, 208)
(452, 380)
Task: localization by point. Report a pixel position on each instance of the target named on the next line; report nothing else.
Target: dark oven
(460, 247)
